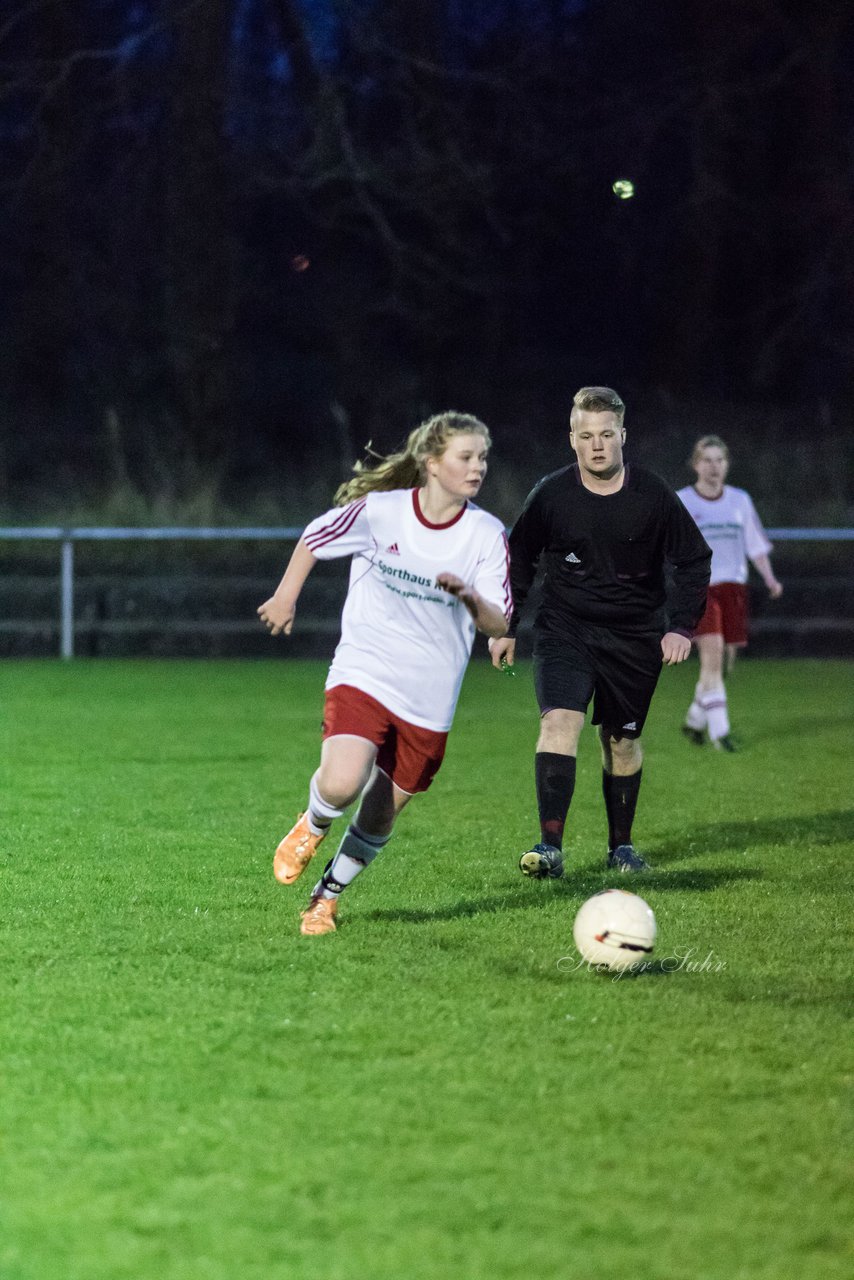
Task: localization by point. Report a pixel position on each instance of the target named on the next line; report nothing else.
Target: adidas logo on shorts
(572, 558)
(633, 724)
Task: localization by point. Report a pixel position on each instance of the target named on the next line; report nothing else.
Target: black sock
(555, 778)
(328, 885)
(621, 799)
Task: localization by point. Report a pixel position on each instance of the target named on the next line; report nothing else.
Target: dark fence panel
(181, 608)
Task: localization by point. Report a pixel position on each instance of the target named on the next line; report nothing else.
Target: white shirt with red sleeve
(405, 641)
(732, 529)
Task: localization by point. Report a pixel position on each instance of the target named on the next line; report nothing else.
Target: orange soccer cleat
(319, 916)
(296, 851)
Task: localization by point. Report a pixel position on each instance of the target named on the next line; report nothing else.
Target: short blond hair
(709, 442)
(596, 400)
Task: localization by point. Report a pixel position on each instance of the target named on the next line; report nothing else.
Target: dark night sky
(238, 229)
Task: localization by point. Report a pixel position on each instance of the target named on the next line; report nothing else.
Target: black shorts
(618, 669)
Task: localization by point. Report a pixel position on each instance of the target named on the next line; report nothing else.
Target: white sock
(696, 717)
(320, 815)
(714, 704)
(356, 851)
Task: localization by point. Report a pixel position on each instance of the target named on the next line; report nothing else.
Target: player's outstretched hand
(674, 648)
(775, 589)
(503, 652)
(277, 616)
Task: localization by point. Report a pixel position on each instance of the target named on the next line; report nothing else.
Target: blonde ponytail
(405, 469)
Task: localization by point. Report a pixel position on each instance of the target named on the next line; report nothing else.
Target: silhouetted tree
(238, 230)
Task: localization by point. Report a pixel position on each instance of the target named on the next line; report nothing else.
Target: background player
(605, 530)
(428, 568)
(727, 519)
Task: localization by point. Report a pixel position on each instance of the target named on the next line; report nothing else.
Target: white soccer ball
(615, 929)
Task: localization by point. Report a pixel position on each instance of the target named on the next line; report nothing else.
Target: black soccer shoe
(626, 858)
(543, 862)
(694, 736)
(725, 744)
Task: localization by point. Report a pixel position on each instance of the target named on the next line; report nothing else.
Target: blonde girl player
(428, 569)
(728, 521)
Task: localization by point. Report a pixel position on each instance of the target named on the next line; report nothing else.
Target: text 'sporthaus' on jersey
(728, 521)
(428, 569)
(390, 617)
(732, 529)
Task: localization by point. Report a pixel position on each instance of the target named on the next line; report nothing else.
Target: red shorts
(408, 754)
(726, 613)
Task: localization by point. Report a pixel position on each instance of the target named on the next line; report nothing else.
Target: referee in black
(605, 530)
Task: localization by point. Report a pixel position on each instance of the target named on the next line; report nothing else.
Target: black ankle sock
(621, 798)
(555, 778)
(328, 883)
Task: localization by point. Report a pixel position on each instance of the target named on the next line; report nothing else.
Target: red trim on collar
(704, 496)
(419, 514)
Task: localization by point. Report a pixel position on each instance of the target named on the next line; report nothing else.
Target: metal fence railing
(67, 537)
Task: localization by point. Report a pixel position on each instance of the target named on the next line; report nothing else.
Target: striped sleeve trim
(508, 595)
(335, 529)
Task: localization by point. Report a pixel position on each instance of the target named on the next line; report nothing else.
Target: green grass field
(192, 1091)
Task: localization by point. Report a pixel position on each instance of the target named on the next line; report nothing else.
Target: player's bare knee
(559, 731)
(620, 755)
(341, 788)
(711, 650)
(627, 755)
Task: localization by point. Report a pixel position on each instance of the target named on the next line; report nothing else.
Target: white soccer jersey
(732, 529)
(405, 641)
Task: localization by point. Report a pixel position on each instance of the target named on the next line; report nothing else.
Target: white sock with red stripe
(320, 815)
(714, 704)
(696, 717)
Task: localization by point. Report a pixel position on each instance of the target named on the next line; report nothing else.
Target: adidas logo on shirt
(572, 558)
(393, 550)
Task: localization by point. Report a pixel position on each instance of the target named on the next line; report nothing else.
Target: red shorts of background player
(726, 613)
(409, 755)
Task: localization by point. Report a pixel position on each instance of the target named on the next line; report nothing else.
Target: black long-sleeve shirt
(605, 555)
